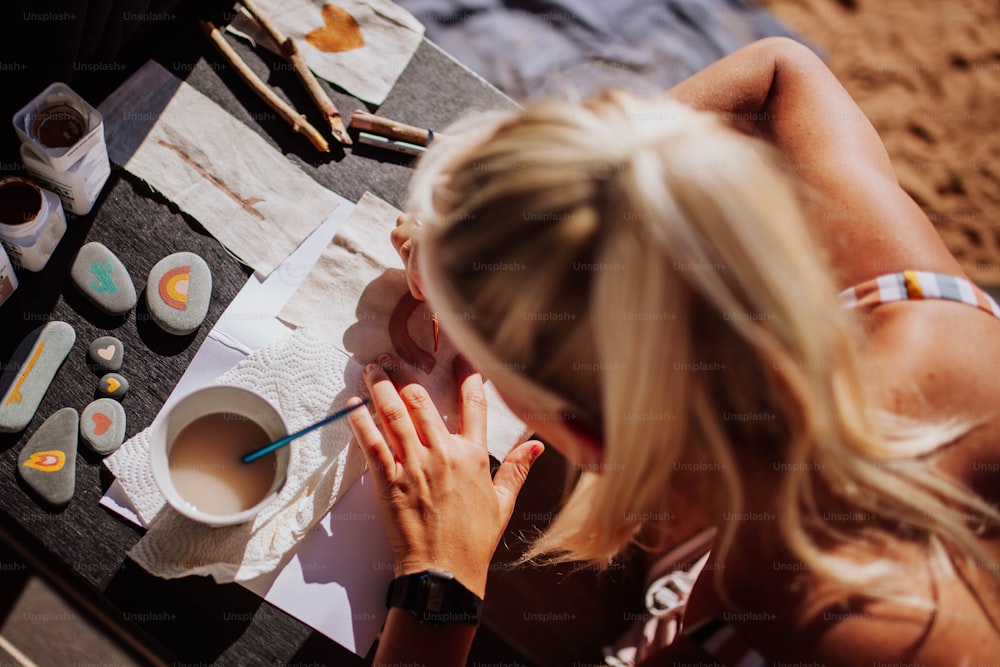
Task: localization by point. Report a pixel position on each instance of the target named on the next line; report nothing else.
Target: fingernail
(371, 368)
(536, 451)
(353, 401)
(384, 358)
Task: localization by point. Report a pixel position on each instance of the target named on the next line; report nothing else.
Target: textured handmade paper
(349, 299)
(305, 378)
(246, 194)
(378, 49)
(379, 36)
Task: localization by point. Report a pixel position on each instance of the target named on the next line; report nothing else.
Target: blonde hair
(639, 265)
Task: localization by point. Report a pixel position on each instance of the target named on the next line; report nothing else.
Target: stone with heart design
(340, 31)
(102, 425)
(47, 464)
(106, 353)
(112, 385)
(178, 292)
(102, 278)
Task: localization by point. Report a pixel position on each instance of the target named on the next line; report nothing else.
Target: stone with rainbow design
(102, 425)
(102, 278)
(47, 464)
(178, 292)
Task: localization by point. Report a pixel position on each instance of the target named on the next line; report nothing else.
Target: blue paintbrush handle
(278, 444)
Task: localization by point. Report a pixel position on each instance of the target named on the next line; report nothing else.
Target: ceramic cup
(198, 469)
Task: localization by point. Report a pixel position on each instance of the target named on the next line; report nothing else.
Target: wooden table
(82, 548)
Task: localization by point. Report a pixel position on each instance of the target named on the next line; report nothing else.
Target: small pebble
(112, 385)
(103, 279)
(102, 425)
(47, 463)
(106, 353)
(178, 292)
(29, 373)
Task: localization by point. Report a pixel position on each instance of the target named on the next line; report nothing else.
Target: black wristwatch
(435, 596)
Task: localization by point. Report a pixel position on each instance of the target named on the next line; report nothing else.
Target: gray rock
(48, 461)
(103, 279)
(106, 353)
(178, 292)
(29, 373)
(102, 425)
(112, 385)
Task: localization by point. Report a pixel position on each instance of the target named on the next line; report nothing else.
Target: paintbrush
(281, 442)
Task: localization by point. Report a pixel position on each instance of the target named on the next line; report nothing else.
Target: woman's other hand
(440, 507)
(402, 241)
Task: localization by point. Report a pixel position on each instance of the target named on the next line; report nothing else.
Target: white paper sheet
(360, 260)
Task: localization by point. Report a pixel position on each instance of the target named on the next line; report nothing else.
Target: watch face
(434, 597)
(435, 593)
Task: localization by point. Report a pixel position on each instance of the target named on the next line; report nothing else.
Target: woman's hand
(402, 241)
(440, 507)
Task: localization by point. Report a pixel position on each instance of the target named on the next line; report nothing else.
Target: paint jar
(32, 222)
(62, 146)
(8, 279)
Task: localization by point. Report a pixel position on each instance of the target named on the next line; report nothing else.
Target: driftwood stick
(387, 127)
(322, 100)
(272, 30)
(293, 117)
(292, 56)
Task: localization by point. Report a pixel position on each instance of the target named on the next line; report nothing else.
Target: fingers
(472, 400)
(512, 473)
(393, 413)
(378, 454)
(418, 402)
(402, 241)
(403, 231)
(413, 280)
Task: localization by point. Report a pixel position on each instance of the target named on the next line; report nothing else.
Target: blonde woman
(725, 307)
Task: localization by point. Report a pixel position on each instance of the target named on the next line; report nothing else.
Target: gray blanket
(532, 47)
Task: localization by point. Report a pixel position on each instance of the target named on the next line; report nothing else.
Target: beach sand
(927, 74)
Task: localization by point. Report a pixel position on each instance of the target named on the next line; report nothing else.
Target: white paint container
(8, 279)
(62, 146)
(31, 222)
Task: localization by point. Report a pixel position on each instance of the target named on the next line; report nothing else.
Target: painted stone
(103, 279)
(102, 425)
(47, 463)
(112, 385)
(106, 353)
(29, 373)
(178, 292)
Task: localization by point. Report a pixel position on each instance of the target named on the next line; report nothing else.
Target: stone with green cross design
(102, 278)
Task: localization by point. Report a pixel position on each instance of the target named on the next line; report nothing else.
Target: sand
(927, 74)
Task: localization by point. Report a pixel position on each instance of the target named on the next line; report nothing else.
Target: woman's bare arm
(780, 90)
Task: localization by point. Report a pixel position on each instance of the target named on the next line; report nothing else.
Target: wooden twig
(291, 54)
(293, 117)
(363, 120)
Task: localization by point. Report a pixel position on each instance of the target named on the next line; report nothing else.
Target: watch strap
(435, 597)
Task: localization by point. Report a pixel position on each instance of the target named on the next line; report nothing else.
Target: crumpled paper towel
(244, 192)
(349, 296)
(391, 36)
(305, 378)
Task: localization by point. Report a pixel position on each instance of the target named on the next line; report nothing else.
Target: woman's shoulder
(788, 615)
(939, 360)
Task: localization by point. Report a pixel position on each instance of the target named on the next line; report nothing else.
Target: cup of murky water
(196, 454)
